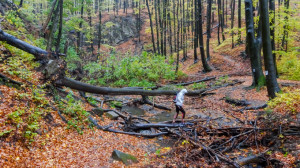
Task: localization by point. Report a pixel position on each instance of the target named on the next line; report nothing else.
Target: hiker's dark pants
(179, 108)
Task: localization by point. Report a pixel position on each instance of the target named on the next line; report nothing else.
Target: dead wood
(145, 100)
(252, 159)
(5, 78)
(124, 132)
(237, 102)
(56, 68)
(39, 54)
(205, 148)
(254, 107)
(192, 82)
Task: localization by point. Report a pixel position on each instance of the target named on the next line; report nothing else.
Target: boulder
(112, 115)
(98, 111)
(127, 159)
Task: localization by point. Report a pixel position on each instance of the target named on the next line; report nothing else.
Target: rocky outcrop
(119, 29)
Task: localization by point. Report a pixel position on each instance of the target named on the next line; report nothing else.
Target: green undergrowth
(76, 115)
(25, 121)
(286, 102)
(144, 70)
(289, 64)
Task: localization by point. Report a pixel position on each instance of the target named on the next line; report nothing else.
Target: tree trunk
(21, 3)
(61, 11)
(49, 17)
(196, 18)
(253, 46)
(79, 33)
(203, 59)
(208, 23)
(272, 31)
(178, 27)
(272, 85)
(157, 26)
(239, 41)
(151, 26)
(100, 26)
(232, 22)
(40, 55)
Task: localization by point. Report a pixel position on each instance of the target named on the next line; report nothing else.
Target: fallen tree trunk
(118, 91)
(192, 82)
(55, 68)
(237, 102)
(5, 78)
(39, 53)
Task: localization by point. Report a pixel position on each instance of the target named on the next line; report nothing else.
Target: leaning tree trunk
(253, 46)
(272, 85)
(49, 17)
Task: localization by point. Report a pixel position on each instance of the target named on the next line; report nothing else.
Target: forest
(150, 83)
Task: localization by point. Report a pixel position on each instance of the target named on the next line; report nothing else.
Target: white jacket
(180, 97)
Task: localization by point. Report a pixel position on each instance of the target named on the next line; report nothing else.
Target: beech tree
(272, 85)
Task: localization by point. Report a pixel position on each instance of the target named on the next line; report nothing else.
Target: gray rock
(98, 111)
(112, 115)
(127, 159)
(146, 132)
(146, 107)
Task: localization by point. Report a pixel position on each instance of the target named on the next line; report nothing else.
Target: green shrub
(286, 103)
(289, 65)
(144, 70)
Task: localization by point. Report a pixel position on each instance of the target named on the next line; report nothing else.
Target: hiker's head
(184, 91)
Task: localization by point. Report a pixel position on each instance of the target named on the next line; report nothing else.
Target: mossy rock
(112, 115)
(127, 159)
(98, 111)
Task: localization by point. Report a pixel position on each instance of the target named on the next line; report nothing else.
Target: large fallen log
(73, 84)
(39, 53)
(54, 70)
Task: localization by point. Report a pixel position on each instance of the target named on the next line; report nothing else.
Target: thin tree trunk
(151, 26)
(61, 11)
(239, 41)
(232, 22)
(157, 26)
(49, 16)
(272, 32)
(208, 23)
(100, 25)
(196, 27)
(178, 28)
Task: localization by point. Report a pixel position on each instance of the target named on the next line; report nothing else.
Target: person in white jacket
(179, 103)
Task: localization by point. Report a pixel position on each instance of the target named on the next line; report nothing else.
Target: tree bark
(49, 17)
(272, 85)
(208, 23)
(61, 11)
(39, 54)
(203, 59)
(253, 46)
(272, 32)
(151, 26)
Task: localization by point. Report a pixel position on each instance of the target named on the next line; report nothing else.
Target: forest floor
(58, 146)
